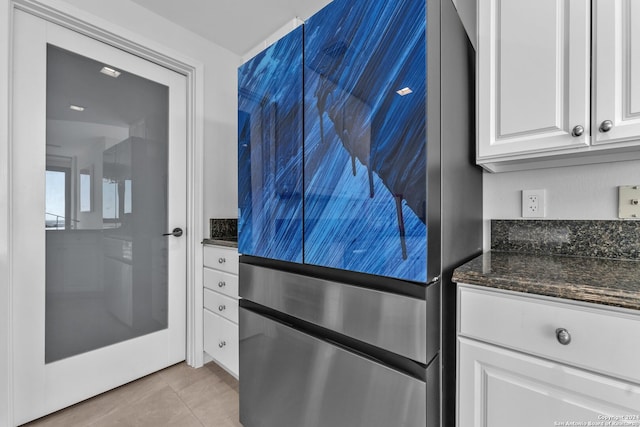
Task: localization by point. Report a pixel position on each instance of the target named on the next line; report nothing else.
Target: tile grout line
(187, 406)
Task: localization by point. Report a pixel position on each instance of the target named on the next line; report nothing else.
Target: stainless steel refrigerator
(358, 196)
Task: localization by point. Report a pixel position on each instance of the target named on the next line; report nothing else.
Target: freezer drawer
(293, 379)
(400, 324)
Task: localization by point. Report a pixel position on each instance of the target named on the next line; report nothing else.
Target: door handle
(177, 232)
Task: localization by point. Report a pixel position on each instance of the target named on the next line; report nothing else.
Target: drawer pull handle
(221, 260)
(563, 336)
(221, 284)
(222, 344)
(221, 308)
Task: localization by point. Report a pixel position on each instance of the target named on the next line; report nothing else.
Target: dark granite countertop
(614, 282)
(221, 242)
(222, 232)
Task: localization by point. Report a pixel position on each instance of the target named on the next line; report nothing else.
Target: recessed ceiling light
(404, 91)
(76, 107)
(110, 72)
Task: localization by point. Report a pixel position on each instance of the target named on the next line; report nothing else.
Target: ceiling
(237, 25)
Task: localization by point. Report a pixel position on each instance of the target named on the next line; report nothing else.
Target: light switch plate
(629, 201)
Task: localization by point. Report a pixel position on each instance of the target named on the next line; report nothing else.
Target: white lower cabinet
(513, 368)
(220, 298)
(503, 388)
(221, 341)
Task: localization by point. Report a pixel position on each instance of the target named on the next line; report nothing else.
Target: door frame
(93, 26)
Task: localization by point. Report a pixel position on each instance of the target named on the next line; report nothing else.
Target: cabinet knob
(606, 126)
(563, 336)
(222, 260)
(221, 284)
(577, 131)
(222, 344)
(221, 308)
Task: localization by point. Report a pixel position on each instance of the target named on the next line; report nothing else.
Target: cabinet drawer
(222, 282)
(221, 304)
(224, 259)
(221, 341)
(604, 340)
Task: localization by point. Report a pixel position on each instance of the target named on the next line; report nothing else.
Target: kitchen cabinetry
(221, 306)
(536, 361)
(617, 68)
(134, 265)
(535, 83)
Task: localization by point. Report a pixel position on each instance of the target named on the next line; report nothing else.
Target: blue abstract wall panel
(270, 151)
(365, 144)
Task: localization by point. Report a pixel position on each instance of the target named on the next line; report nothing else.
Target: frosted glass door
(106, 276)
(99, 178)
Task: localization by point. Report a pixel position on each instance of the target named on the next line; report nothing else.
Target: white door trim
(104, 31)
(6, 367)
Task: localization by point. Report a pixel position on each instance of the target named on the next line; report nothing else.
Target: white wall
(277, 35)
(220, 99)
(576, 192)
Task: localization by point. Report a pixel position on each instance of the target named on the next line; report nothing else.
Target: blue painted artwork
(365, 138)
(270, 151)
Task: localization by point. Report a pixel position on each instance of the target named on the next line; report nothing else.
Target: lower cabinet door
(293, 379)
(221, 341)
(503, 388)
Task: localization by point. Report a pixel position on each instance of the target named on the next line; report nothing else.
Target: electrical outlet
(533, 204)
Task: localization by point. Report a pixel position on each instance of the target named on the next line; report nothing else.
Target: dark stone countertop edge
(221, 242)
(472, 273)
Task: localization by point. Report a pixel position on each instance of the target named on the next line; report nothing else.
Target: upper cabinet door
(533, 76)
(270, 152)
(365, 138)
(617, 65)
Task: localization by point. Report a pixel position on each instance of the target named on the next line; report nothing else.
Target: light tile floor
(177, 396)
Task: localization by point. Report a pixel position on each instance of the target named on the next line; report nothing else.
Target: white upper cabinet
(617, 66)
(533, 75)
(534, 99)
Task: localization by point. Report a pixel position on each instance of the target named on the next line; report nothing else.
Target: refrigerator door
(270, 151)
(365, 148)
(293, 379)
